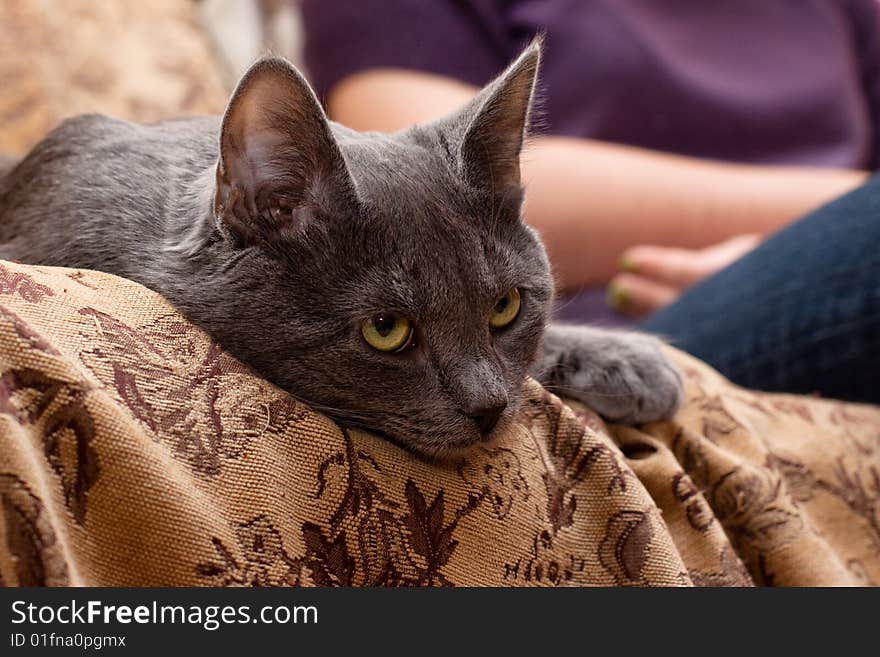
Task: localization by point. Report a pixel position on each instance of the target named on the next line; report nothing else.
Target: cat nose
(487, 417)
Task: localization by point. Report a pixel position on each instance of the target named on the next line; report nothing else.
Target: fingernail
(617, 297)
(628, 264)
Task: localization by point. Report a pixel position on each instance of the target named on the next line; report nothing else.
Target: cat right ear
(492, 128)
(279, 163)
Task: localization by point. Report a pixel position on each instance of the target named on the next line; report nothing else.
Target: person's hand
(654, 276)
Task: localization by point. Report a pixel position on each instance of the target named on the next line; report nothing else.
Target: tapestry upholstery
(135, 451)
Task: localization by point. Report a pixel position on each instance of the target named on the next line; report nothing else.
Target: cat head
(387, 279)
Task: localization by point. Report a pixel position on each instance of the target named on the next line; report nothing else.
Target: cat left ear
(278, 157)
(496, 122)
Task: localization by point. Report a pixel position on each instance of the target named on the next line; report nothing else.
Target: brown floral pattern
(134, 450)
(58, 412)
(624, 549)
(699, 513)
(729, 571)
(35, 557)
(406, 544)
(805, 490)
(209, 406)
(265, 561)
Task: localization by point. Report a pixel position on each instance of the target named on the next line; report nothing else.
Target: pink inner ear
(257, 160)
(277, 148)
(499, 117)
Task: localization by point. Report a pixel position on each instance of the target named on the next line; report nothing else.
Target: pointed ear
(496, 121)
(278, 158)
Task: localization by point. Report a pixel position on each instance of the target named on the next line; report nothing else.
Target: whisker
(570, 299)
(349, 414)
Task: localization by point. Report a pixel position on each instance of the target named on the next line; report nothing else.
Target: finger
(716, 258)
(638, 296)
(674, 267)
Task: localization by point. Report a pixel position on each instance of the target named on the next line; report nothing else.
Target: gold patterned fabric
(141, 61)
(135, 451)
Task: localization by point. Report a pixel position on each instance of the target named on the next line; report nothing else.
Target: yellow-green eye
(387, 332)
(506, 309)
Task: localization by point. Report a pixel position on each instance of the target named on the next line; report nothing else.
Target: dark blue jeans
(799, 314)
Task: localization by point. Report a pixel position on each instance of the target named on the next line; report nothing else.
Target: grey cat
(386, 279)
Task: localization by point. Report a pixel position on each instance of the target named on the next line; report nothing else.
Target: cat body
(304, 248)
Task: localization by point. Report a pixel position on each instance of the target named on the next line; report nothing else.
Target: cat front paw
(625, 377)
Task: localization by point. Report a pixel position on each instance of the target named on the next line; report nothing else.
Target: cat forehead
(438, 263)
(424, 219)
(408, 170)
(412, 197)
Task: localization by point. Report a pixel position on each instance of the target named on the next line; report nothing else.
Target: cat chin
(446, 454)
(441, 451)
(456, 450)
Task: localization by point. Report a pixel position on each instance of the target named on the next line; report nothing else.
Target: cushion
(135, 451)
(141, 61)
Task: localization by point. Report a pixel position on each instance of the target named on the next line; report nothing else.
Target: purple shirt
(772, 81)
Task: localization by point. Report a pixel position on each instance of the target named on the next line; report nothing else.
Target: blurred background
(143, 61)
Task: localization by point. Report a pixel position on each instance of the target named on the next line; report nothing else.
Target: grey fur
(623, 376)
(279, 237)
